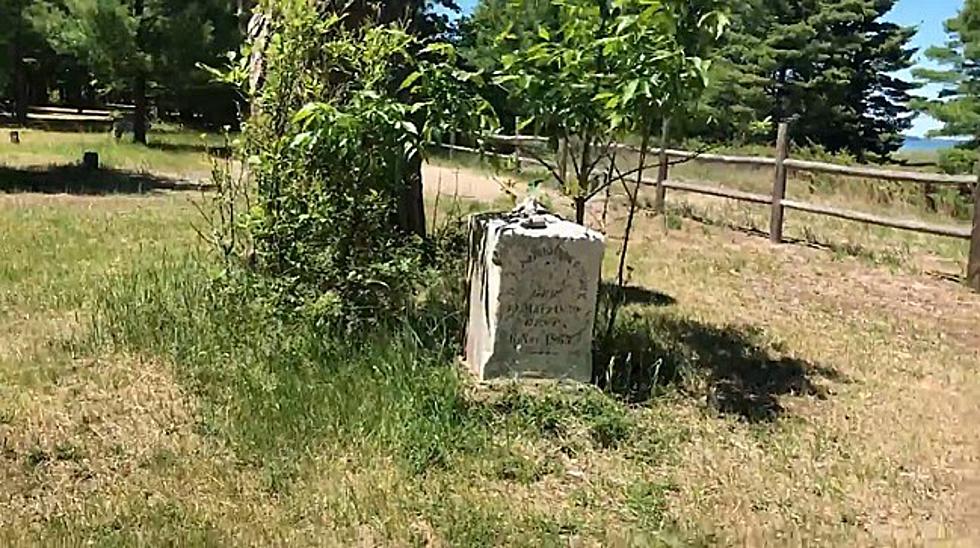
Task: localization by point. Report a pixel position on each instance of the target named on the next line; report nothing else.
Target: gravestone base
(533, 284)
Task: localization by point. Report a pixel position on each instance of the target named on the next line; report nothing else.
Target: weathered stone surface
(533, 285)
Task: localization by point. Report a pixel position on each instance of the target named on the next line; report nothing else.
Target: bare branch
(549, 167)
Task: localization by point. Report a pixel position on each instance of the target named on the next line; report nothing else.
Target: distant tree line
(87, 53)
(148, 53)
(827, 66)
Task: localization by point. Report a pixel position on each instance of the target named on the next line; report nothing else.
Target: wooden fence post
(659, 204)
(517, 148)
(779, 185)
(563, 158)
(973, 266)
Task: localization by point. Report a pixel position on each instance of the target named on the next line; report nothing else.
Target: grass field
(175, 152)
(761, 395)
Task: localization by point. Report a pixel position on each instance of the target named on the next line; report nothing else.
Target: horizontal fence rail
(906, 224)
(777, 201)
(709, 190)
(763, 161)
(884, 174)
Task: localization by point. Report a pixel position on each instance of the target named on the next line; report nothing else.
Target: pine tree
(762, 65)
(958, 104)
(871, 105)
(824, 65)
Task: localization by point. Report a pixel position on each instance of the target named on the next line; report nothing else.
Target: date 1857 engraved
(544, 299)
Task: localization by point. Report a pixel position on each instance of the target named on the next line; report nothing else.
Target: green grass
(276, 391)
(918, 157)
(169, 153)
(118, 303)
(293, 385)
(756, 395)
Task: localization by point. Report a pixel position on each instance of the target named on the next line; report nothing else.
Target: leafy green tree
(480, 31)
(958, 104)
(418, 18)
(137, 46)
(556, 76)
(826, 65)
(16, 42)
(658, 61)
(582, 71)
(328, 145)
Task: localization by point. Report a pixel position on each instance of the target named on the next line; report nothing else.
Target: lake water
(926, 143)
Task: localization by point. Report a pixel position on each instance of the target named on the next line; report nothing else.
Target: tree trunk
(21, 99)
(360, 12)
(580, 210)
(778, 94)
(583, 180)
(139, 82)
(644, 144)
(619, 294)
(139, 113)
(242, 14)
(412, 202)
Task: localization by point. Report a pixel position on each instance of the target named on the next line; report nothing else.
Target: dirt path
(462, 182)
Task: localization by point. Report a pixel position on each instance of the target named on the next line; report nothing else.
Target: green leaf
(309, 112)
(410, 127)
(441, 48)
(301, 140)
(616, 121)
(630, 90)
(625, 22)
(409, 80)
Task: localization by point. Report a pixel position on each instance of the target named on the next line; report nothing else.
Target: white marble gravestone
(533, 284)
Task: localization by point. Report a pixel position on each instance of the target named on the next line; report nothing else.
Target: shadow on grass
(632, 294)
(75, 179)
(59, 126)
(745, 375)
(946, 276)
(204, 148)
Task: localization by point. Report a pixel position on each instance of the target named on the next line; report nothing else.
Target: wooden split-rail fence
(781, 164)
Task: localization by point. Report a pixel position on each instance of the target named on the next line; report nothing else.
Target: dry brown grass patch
(114, 439)
(887, 458)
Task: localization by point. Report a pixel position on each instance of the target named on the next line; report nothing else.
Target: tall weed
(278, 385)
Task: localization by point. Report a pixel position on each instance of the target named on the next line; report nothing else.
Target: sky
(927, 15)
(466, 5)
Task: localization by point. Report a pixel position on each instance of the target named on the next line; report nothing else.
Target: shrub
(957, 160)
(334, 144)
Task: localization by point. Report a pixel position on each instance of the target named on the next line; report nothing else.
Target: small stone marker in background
(15, 137)
(90, 160)
(533, 283)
